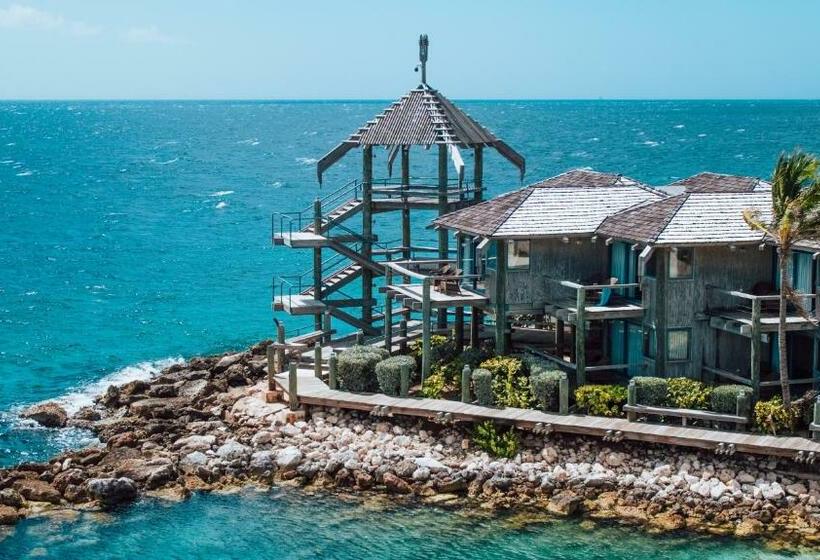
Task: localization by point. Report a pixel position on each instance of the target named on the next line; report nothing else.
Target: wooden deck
(567, 310)
(313, 391)
(438, 299)
(740, 322)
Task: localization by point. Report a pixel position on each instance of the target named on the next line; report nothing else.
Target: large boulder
(11, 497)
(112, 491)
(8, 515)
(227, 361)
(50, 415)
(36, 490)
(564, 504)
(289, 457)
(232, 450)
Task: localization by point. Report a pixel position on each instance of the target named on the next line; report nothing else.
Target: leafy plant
(724, 397)
(682, 392)
(433, 386)
(483, 386)
(773, 417)
(510, 388)
(442, 349)
(650, 391)
(601, 400)
(545, 385)
(495, 442)
(388, 373)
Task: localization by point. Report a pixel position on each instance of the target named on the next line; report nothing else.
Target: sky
(367, 49)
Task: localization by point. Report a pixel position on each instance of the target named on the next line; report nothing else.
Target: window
(650, 342)
(490, 255)
(677, 344)
(518, 254)
(650, 268)
(680, 262)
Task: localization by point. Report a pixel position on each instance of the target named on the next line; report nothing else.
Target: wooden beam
(580, 338)
(478, 173)
(367, 230)
(754, 366)
(425, 331)
(500, 296)
(443, 239)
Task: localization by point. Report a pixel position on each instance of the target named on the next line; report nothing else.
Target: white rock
(796, 489)
(549, 454)
(289, 430)
(432, 464)
(289, 457)
(717, 490)
(421, 474)
(195, 459)
(232, 450)
(772, 491)
(195, 443)
(263, 460)
(614, 459)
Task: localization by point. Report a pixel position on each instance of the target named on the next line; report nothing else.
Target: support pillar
(367, 232)
(661, 276)
(443, 252)
(560, 338)
(459, 329)
(425, 330)
(280, 351)
(500, 297)
(478, 173)
(475, 327)
(406, 241)
(580, 337)
(317, 261)
(754, 366)
(293, 389)
(388, 310)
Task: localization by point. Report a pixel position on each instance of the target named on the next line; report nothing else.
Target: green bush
(545, 384)
(682, 392)
(356, 368)
(388, 373)
(495, 442)
(483, 386)
(724, 397)
(771, 417)
(650, 391)
(442, 349)
(510, 387)
(601, 400)
(433, 386)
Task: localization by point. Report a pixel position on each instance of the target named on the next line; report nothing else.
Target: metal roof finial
(423, 44)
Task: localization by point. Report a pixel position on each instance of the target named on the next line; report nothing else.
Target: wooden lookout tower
(345, 250)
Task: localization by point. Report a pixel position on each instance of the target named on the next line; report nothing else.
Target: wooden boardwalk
(313, 391)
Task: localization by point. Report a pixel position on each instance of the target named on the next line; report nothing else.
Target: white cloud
(17, 16)
(149, 34)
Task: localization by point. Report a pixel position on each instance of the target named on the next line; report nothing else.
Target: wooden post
(754, 366)
(478, 173)
(280, 352)
(580, 337)
(475, 327)
(406, 240)
(293, 391)
(563, 394)
(500, 296)
(270, 353)
(326, 328)
(425, 329)
(331, 375)
(661, 279)
(317, 361)
(403, 335)
(458, 330)
(743, 408)
(317, 261)
(816, 433)
(560, 340)
(367, 232)
(388, 310)
(359, 338)
(443, 239)
(465, 384)
(404, 380)
(632, 399)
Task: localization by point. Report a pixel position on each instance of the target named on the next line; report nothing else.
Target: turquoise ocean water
(135, 233)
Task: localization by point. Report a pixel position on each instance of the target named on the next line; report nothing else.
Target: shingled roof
(718, 182)
(572, 203)
(693, 218)
(422, 117)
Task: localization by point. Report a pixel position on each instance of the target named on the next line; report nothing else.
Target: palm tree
(795, 217)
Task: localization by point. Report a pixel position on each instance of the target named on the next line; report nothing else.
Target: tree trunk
(783, 359)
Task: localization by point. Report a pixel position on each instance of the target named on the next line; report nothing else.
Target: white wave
(702, 135)
(307, 160)
(25, 174)
(221, 193)
(740, 130)
(650, 143)
(84, 396)
(249, 142)
(221, 204)
(169, 162)
(278, 184)
(679, 126)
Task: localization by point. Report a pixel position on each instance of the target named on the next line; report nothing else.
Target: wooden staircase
(339, 214)
(336, 280)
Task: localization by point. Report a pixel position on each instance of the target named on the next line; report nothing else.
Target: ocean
(135, 234)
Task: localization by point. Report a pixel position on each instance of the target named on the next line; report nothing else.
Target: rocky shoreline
(204, 425)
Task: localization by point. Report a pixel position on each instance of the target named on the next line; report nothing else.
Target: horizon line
(385, 99)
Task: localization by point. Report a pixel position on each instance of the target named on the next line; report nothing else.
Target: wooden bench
(686, 414)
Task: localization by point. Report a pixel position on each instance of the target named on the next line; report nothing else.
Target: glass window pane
(518, 253)
(678, 342)
(649, 342)
(490, 252)
(680, 263)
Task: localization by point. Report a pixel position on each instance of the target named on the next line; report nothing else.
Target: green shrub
(650, 391)
(442, 349)
(388, 373)
(356, 368)
(601, 400)
(483, 386)
(545, 384)
(682, 392)
(433, 386)
(773, 418)
(495, 442)
(535, 364)
(724, 397)
(510, 387)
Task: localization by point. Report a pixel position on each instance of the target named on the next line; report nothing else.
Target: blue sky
(367, 49)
